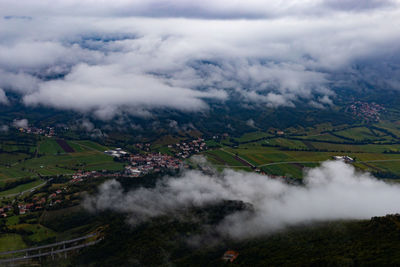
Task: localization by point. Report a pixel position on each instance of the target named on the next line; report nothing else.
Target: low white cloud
(333, 191)
(22, 123)
(19, 82)
(4, 128)
(105, 89)
(42, 54)
(250, 122)
(87, 125)
(3, 97)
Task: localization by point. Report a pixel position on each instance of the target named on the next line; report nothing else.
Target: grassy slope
(252, 136)
(89, 144)
(39, 232)
(49, 147)
(357, 133)
(21, 188)
(221, 157)
(11, 242)
(343, 243)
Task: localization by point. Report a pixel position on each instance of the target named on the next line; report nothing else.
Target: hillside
(373, 242)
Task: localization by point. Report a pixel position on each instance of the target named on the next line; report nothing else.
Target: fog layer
(332, 191)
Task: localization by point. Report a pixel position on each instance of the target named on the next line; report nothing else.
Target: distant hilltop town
(366, 111)
(48, 131)
(141, 164)
(186, 149)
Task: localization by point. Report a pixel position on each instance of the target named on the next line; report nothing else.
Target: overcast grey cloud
(333, 191)
(222, 9)
(355, 5)
(106, 58)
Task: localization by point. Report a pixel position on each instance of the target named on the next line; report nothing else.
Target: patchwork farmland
(375, 148)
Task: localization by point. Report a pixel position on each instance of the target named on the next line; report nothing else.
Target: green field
(371, 148)
(392, 127)
(21, 188)
(11, 242)
(289, 170)
(60, 164)
(322, 137)
(283, 142)
(289, 155)
(13, 220)
(358, 134)
(388, 166)
(49, 147)
(51, 160)
(86, 144)
(77, 147)
(38, 232)
(247, 137)
(9, 158)
(220, 157)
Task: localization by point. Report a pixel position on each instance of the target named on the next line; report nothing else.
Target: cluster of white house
(118, 152)
(346, 159)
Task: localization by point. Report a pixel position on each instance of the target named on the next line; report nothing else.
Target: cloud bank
(3, 97)
(332, 191)
(206, 9)
(4, 128)
(129, 56)
(22, 123)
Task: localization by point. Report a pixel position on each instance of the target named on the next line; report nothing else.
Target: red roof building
(230, 255)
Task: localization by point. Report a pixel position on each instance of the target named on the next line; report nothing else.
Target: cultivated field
(374, 148)
(47, 157)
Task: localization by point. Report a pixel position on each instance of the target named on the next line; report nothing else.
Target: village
(188, 148)
(136, 165)
(144, 163)
(56, 195)
(48, 131)
(366, 111)
(35, 202)
(154, 162)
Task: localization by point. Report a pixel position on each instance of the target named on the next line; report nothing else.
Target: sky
(107, 58)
